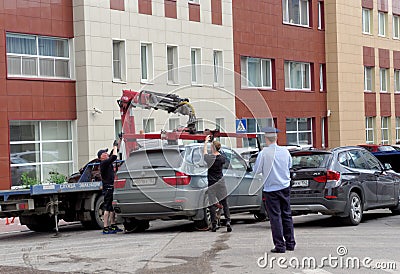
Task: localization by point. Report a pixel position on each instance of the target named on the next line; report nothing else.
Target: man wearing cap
(107, 175)
(274, 163)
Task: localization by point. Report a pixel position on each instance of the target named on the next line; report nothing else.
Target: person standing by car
(274, 163)
(217, 192)
(107, 175)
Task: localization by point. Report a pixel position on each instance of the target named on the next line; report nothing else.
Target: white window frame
(196, 68)
(369, 130)
(383, 79)
(366, 25)
(286, 15)
(146, 62)
(396, 26)
(305, 68)
(397, 129)
(119, 63)
(218, 68)
(385, 123)
(172, 67)
(320, 10)
(368, 78)
(265, 72)
(396, 77)
(382, 22)
(148, 125)
(37, 57)
(298, 131)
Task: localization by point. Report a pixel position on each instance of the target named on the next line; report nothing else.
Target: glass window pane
(29, 66)
(21, 44)
(53, 47)
(46, 67)
(291, 139)
(254, 72)
(55, 152)
(24, 131)
(18, 169)
(56, 130)
(62, 68)
(144, 62)
(64, 169)
(291, 124)
(304, 124)
(14, 65)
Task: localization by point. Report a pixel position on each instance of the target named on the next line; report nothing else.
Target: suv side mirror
(387, 166)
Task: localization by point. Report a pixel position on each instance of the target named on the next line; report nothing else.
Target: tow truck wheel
(133, 225)
(97, 215)
(39, 223)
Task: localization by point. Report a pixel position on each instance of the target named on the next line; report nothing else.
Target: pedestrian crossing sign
(241, 126)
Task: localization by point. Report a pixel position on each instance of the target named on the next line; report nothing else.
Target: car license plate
(300, 183)
(143, 181)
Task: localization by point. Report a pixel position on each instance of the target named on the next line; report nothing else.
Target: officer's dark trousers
(280, 217)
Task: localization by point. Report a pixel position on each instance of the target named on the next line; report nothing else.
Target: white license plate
(300, 183)
(144, 181)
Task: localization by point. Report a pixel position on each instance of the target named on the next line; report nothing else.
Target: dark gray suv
(170, 182)
(344, 182)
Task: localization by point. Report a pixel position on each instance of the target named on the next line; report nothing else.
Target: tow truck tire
(133, 225)
(39, 223)
(97, 215)
(205, 222)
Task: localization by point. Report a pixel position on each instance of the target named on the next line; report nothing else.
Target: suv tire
(132, 225)
(205, 222)
(354, 210)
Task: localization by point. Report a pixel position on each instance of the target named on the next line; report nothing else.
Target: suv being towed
(170, 182)
(344, 182)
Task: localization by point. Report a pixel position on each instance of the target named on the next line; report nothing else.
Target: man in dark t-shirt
(217, 192)
(107, 176)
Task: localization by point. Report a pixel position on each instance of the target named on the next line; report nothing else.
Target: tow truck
(41, 206)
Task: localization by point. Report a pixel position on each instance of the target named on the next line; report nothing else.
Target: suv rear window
(310, 160)
(161, 158)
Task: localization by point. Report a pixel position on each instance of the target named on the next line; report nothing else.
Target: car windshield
(310, 160)
(158, 158)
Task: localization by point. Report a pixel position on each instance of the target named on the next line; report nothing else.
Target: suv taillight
(179, 179)
(119, 183)
(328, 177)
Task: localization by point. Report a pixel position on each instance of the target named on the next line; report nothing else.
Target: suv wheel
(133, 225)
(354, 210)
(205, 222)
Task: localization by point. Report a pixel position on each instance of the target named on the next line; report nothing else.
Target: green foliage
(28, 181)
(56, 178)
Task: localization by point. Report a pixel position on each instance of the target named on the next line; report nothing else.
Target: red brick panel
(396, 59)
(170, 8)
(117, 5)
(216, 12)
(383, 5)
(384, 58)
(385, 104)
(369, 56)
(369, 4)
(194, 12)
(396, 7)
(145, 7)
(397, 104)
(370, 104)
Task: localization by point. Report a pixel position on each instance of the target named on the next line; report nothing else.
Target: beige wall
(345, 70)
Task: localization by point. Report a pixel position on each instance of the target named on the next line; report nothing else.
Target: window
(385, 122)
(220, 126)
(257, 126)
(383, 77)
(117, 128)
(397, 129)
(366, 21)
(39, 149)
(146, 62)
(173, 123)
(195, 56)
(38, 56)
(119, 60)
(321, 77)
(218, 68)
(321, 15)
(356, 160)
(200, 124)
(396, 80)
(148, 125)
(369, 130)
(194, 1)
(372, 162)
(299, 131)
(368, 80)
(396, 26)
(297, 76)
(172, 64)
(256, 72)
(382, 18)
(296, 12)
(323, 132)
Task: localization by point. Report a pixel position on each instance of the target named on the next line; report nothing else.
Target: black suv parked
(344, 182)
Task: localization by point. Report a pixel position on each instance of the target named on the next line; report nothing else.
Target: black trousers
(217, 193)
(280, 218)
